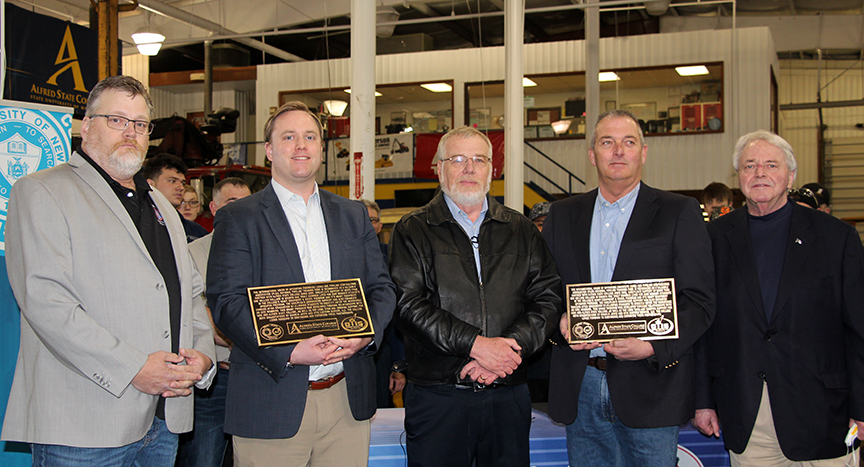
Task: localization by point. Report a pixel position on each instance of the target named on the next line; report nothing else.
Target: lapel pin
(798, 241)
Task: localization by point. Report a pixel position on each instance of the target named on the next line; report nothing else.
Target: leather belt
(476, 387)
(326, 382)
(598, 362)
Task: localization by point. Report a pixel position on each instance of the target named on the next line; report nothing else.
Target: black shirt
(770, 234)
(151, 227)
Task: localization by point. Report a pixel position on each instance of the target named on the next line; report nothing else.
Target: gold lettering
(68, 46)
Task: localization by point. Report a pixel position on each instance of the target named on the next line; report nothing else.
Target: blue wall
(11, 454)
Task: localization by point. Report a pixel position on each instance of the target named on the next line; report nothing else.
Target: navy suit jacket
(253, 246)
(665, 237)
(811, 352)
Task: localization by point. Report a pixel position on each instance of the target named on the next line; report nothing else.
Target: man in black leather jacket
(478, 292)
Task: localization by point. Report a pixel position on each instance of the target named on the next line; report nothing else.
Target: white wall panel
(675, 162)
(799, 82)
(138, 67)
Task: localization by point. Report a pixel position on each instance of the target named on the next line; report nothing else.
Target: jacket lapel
(643, 214)
(92, 178)
(741, 246)
(330, 212)
(580, 225)
(281, 229)
(798, 246)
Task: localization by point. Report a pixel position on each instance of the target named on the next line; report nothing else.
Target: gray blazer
(93, 306)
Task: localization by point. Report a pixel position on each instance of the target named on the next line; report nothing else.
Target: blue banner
(49, 61)
(32, 137)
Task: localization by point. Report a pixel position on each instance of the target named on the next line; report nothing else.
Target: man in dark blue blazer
(623, 402)
(784, 360)
(310, 401)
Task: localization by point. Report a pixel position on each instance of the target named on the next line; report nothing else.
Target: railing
(570, 175)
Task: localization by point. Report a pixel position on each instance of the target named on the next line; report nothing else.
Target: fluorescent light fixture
(692, 70)
(336, 108)
(437, 87)
(148, 43)
(348, 91)
(527, 83)
(608, 76)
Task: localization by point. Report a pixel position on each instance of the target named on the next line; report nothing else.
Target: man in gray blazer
(307, 403)
(113, 333)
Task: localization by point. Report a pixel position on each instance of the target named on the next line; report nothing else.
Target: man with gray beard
(113, 332)
(478, 292)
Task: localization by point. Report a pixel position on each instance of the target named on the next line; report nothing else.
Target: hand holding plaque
(286, 314)
(603, 312)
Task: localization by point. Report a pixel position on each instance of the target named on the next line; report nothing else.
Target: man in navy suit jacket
(310, 401)
(784, 360)
(623, 402)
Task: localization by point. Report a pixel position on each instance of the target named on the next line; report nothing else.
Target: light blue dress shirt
(608, 224)
(472, 229)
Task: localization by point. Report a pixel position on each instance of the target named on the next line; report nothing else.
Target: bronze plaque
(603, 312)
(286, 314)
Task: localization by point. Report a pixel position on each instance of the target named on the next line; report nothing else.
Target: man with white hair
(477, 293)
(783, 362)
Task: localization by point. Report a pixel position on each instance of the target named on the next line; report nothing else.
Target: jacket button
(767, 337)
(166, 334)
(762, 375)
(160, 286)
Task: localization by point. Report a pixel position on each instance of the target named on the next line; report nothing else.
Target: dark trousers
(457, 427)
(205, 445)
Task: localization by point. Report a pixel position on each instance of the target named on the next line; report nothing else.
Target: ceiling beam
(453, 27)
(177, 14)
(532, 27)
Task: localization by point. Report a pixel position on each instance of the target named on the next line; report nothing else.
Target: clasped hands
(492, 358)
(322, 350)
(171, 374)
(629, 349)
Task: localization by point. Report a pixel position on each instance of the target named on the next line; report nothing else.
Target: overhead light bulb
(148, 41)
(695, 70)
(335, 108)
(437, 87)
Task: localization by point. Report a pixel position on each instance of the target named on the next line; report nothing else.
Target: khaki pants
(328, 436)
(763, 449)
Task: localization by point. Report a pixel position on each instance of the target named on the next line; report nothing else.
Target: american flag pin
(798, 241)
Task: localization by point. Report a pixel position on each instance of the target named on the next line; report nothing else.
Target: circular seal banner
(32, 138)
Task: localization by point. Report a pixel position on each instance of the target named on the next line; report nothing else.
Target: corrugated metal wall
(138, 67)
(799, 82)
(674, 162)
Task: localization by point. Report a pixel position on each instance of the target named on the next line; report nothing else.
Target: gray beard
(123, 168)
(465, 199)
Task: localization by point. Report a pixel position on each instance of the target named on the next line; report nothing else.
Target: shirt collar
(141, 184)
(456, 211)
(286, 196)
(625, 202)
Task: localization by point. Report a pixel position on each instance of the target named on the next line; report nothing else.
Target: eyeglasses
(116, 122)
(191, 204)
(460, 161)
(374, 219)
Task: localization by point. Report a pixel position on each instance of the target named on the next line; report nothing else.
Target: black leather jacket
(442, 306)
